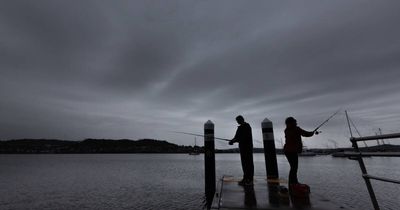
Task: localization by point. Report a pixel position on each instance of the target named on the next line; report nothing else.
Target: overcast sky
(139, 69)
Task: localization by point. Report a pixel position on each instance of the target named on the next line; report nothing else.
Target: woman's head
(290, 122)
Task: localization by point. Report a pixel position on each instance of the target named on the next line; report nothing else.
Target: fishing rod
(194, 134)
(323, 123)
(222, 139)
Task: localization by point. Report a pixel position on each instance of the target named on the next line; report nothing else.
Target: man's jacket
(244, 136)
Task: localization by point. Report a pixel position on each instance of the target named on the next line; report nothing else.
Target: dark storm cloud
(140, 69)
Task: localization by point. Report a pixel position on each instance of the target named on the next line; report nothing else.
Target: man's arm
(236, 138)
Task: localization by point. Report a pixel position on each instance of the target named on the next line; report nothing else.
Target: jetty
(271, 192)
(265, 194)
(268, 193)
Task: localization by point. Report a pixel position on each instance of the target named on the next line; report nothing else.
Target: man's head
(240, 119)
(290, 122)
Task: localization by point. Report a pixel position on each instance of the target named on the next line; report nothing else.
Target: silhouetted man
(293, 146)
(245, 139)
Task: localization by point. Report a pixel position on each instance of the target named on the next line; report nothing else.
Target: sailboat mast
(351, 133)
(348, 123)
(380, 132)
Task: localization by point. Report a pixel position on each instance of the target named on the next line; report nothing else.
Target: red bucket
(300, 190)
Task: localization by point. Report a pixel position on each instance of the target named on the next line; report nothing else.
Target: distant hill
(49, 146)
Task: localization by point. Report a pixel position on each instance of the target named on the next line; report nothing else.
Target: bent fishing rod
(323, 123)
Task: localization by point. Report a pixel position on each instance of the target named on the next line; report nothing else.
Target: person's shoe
(248, 182)
(245, 182)
(291, 186)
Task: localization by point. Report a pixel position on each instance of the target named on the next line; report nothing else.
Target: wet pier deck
(265, 195)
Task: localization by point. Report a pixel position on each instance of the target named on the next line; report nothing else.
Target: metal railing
(365, 175)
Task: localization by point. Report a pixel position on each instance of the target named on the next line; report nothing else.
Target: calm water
(170, 181)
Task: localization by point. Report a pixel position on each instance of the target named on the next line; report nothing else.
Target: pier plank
(265, 195)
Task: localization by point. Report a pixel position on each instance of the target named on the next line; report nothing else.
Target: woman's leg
(293, 159)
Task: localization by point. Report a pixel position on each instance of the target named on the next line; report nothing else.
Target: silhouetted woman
(293, 146)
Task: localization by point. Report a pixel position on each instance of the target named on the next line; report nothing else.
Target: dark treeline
(50, 146)
(47, 146)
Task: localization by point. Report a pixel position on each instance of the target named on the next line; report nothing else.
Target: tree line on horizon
(55, 146)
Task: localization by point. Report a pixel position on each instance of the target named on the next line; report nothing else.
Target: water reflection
(249, 196)
(273, 194)
(300, 202)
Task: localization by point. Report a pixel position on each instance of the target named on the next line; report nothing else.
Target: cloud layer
(140, 69)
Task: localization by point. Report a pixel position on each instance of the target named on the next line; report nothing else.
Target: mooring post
(209, 161)
(271, 164)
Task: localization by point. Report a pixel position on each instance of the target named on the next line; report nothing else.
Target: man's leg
(250, 168)
(248, 165)
(243, 161)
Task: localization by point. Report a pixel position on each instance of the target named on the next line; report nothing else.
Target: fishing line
(195, 134)
(217, 138)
